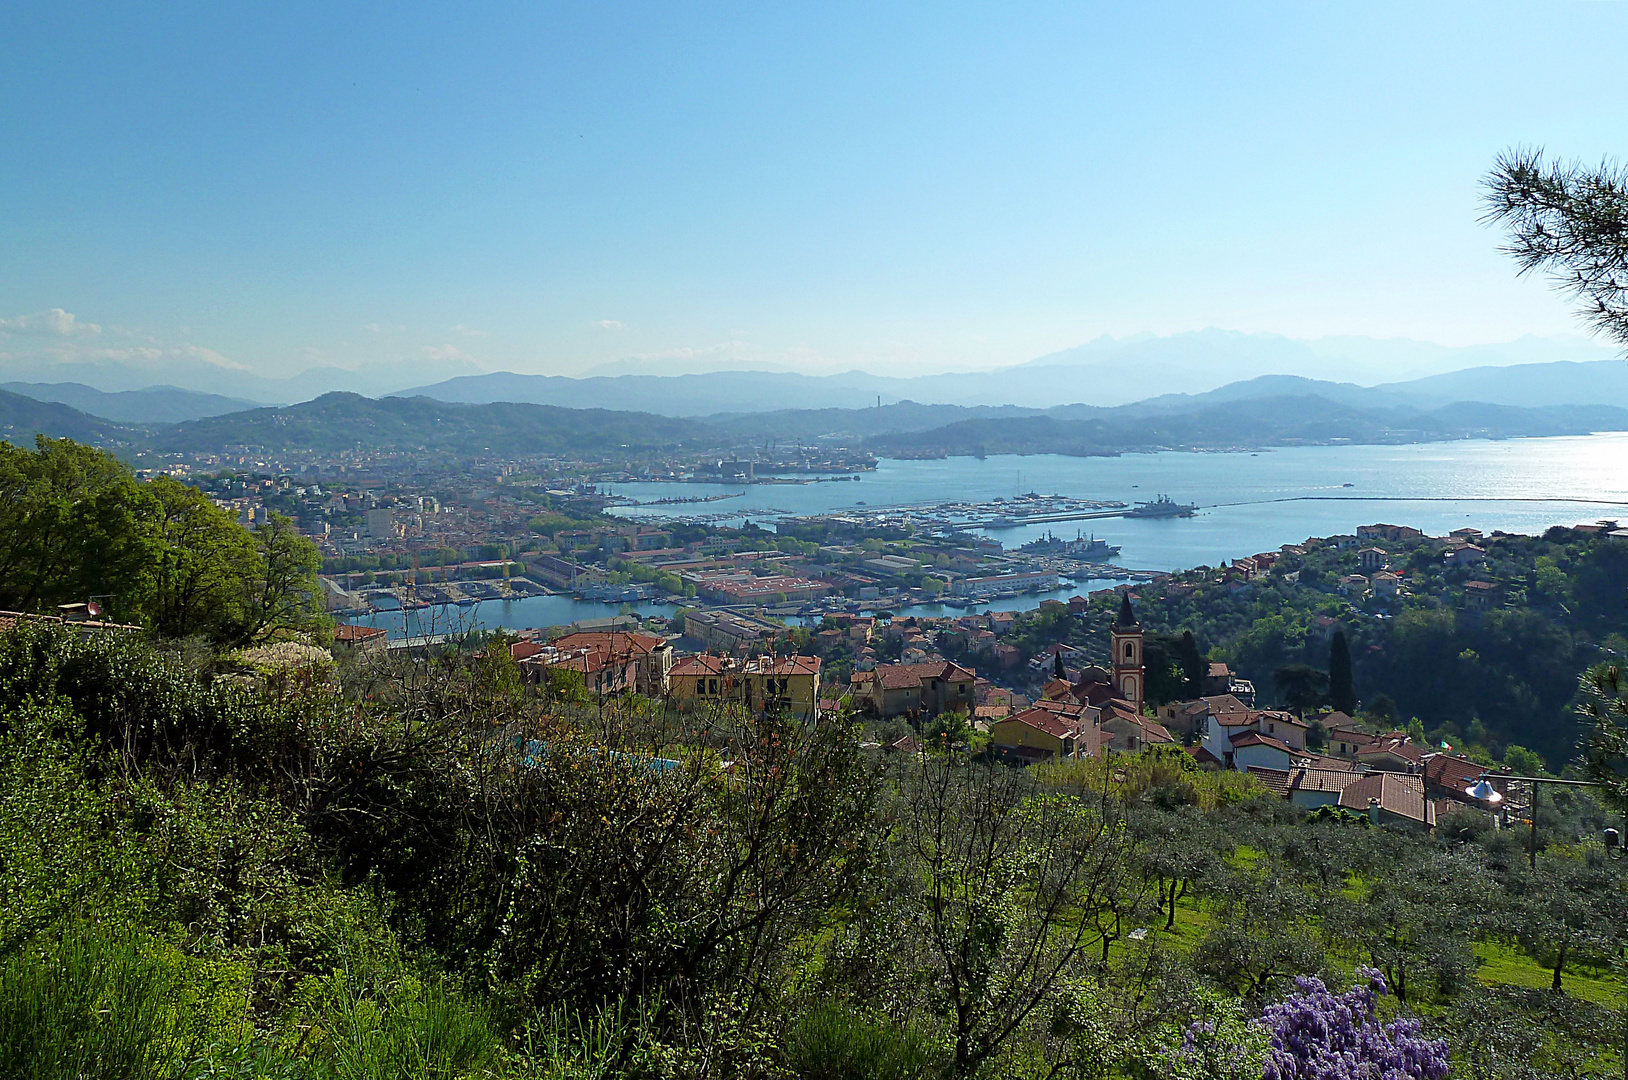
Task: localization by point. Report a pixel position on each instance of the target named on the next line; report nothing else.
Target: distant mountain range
(152, 405)
(214, 380)
(1105, 373)
(1269, 411)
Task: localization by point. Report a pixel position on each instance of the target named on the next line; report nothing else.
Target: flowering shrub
(284, 654)
(1319, 1035)
(1222, 1044)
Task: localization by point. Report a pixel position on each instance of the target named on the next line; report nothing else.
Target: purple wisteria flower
(1315, 1034)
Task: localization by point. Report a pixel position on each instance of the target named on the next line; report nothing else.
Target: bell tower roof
(1127, 617)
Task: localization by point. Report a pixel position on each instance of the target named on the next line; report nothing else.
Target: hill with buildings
(21, 418)
(340, 421)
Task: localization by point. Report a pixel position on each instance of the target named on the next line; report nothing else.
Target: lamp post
(1483, 791)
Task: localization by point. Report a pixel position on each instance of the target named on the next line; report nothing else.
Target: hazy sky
(546, 187)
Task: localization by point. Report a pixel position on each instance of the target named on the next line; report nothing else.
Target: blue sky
(902, 188)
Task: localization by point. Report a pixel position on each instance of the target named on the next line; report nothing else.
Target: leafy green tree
(1604, 691)
(1300, 686)
(75, 523)
(72, 525)
(1161, 660)
(1569, 907)
(202, 562)
(1264, 933)
(281, 591)
(1380, 711)
(1342, 693)
(1523, 762)
(1415, 918)
(1179, 850)
(1549, 581)
(946, 730)
(1001, 887)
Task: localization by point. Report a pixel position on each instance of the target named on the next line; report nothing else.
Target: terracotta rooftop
(1047, 720)
(706, 664)
(1452, 771)
(1255, 738)
(904, 676)
(617, 641)
(1276, 779)
(1396, 747)
(1399, 794)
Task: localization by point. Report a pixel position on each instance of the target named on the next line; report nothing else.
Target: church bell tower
(1125, 642)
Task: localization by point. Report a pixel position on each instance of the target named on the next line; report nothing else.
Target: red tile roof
(1276, 779)
(1452, 771)
(706, 664)
(1395, 747)
(1399, 794)
(617, 641)
(1255, 738)
(904, 676)
(702, 664)
(1047, 720)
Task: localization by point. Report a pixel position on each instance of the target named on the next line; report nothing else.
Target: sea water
(1249, 501)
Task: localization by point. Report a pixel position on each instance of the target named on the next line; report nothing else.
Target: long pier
(1051, 519)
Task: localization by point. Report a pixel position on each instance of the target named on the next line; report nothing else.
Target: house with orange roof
(610, 661)
(365, 640)
(1392, 753)
(1126, 732)
(927, 688)
(1395, 799)
(788, 684)
(1047, 730)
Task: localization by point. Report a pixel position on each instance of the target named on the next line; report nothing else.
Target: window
(712, 686)
(1130, 650)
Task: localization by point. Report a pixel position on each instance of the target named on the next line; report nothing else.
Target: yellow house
(1048, 729)
(787, 683)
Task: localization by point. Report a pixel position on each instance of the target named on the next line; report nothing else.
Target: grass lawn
(1511, 967)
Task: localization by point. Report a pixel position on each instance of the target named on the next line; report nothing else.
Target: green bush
(834, 1043)
(408, 1029)
(95, 1004)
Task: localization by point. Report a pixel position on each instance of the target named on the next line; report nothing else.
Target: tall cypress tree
(1342, 692)
(1193, 667)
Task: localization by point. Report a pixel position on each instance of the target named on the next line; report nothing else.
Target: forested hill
(21, 418)
(340, 421)
(1271, 421)
(344, 421)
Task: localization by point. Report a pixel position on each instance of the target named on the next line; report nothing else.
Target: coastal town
(769, 622)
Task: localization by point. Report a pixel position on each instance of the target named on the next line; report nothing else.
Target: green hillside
(339, 421)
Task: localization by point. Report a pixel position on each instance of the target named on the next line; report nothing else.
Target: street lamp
(1483, 791)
